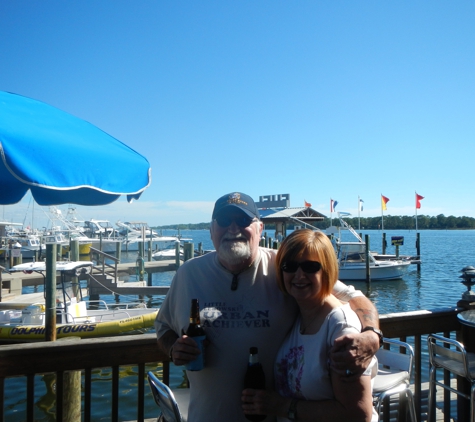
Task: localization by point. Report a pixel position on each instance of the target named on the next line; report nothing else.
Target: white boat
(29, 245)
(99, 228)
(74, 315)
(352, 264)
(352, 259)
(166, 254)
(135, 232)
(15, 238)
(170, 253)
(102, 235)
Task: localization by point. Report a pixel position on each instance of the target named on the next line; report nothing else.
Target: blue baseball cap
(236, 200)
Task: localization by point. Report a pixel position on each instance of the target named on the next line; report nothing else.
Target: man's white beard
(234, 252)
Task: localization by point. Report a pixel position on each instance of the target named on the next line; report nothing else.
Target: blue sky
(317, 99)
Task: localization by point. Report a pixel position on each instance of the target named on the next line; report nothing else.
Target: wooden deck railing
(85, 355)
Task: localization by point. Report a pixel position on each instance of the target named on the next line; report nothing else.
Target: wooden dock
(13, 283)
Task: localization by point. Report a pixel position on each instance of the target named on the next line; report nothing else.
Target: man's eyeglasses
(225, 221)
(309, 267)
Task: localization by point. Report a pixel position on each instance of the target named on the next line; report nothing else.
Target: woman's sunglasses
(309, 267)
(225, 221)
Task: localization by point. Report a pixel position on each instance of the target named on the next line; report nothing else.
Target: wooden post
(71, 393)
(1, 282)
(118, 250)
(188, 251)
(17, 260)
(384, 244)
(150, 245)
(397, 251)
(50, 293)
(418, 250)
(177, 254)
(368, 275)
(140, 261)
(72, 396)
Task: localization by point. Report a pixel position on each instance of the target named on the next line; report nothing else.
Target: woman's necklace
(302, 329)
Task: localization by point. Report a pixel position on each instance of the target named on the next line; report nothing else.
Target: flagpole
(382, 218)
(416, 210)
(331, 211)
(359, 206)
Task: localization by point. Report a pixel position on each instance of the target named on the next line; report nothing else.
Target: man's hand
(184, 350)
(353, 353)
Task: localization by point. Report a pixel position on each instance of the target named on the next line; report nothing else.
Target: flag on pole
(418, 200)
(361, 205)
(307, 204)
(384, 201)
(333, 205)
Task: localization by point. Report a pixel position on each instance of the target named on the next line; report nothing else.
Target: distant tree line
(189, 226)
(398, 222)
(391, 222)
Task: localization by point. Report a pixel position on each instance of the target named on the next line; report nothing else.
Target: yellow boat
(74, 316)
(28, 324)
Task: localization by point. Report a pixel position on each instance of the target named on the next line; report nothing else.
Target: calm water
(443, 254)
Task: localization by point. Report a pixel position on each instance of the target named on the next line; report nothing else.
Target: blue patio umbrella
(62, 159)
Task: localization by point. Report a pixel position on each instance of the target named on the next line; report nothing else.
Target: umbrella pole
(50, 293)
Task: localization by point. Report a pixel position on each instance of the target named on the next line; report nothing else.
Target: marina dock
(13, 283)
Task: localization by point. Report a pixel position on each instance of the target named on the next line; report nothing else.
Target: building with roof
(276, 209)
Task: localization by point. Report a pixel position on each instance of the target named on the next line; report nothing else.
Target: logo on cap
(235, 198)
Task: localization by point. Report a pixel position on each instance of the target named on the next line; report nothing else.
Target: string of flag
(384, 202)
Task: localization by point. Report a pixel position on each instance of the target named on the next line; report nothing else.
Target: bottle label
(198, 363)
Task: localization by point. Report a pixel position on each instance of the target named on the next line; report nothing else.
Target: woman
(307, 389)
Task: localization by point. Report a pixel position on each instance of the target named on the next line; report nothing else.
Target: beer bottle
(254, 378)
(196, 331)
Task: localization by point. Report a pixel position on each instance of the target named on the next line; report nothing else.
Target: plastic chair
(448, 354)
(393, 377)
(173, 404)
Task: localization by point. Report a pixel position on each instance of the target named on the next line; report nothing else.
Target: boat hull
(133, 323)
(385, 270)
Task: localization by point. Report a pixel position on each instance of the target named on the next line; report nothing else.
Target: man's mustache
(230, 236)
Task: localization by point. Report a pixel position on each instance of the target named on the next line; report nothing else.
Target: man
(241, 307)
